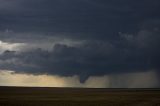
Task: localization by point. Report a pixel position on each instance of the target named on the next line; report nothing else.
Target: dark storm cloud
(132, 53)
(120, 36)
(78, 19)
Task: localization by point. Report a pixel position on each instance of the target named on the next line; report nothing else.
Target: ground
(30, 96)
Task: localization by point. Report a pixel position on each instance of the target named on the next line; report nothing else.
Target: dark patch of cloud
(78, 19)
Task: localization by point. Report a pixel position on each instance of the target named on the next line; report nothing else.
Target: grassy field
(21, 96)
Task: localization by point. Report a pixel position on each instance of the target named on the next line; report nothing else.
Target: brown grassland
(30, 96)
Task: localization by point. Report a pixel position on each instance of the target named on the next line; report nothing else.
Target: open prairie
(29, 96)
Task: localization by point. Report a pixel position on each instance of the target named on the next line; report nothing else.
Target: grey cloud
(133, 52)
(78, 18)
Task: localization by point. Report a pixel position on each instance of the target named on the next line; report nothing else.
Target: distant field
(21, 96)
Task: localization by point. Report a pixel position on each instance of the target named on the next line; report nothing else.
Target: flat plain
(45, 96)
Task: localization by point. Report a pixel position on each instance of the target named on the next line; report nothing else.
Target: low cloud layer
(91, 57)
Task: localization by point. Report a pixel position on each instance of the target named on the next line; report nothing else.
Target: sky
(80, 43)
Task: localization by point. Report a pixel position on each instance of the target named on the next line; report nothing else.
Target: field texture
(14, 96)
